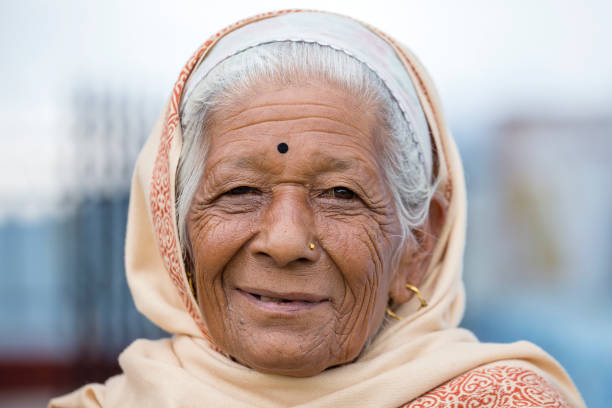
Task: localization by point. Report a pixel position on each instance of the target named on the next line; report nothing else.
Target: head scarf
(408, 362)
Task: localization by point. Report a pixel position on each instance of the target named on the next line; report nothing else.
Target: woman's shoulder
(88, 396)
(502, 384)
(141, 351)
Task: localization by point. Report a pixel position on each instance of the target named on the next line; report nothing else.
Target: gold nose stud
(311, 246)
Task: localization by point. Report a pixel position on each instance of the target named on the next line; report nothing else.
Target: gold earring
(390, 313)
(418, 293)
(190, 281)
(311, 246)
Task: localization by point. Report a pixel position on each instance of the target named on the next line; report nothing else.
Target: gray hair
(287, 62)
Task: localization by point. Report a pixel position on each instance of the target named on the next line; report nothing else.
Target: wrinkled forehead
(338, 32)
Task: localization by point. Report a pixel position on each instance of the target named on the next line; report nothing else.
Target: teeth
(271, 299)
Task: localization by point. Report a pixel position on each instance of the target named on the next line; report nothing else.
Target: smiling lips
(282, 302)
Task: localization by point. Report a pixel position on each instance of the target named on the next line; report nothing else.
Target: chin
(285, 357)
(298, 371)
(283, 360)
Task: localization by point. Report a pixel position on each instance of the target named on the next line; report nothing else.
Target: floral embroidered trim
(493, 387)
(162, 198)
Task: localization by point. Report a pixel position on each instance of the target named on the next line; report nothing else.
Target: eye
(242, 190)
(342, 193)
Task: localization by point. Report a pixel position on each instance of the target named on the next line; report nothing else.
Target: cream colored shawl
(409, 361)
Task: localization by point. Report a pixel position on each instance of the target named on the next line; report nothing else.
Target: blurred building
(64, 303)
(539, 249)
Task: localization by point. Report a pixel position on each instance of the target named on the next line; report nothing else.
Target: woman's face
(269, 300)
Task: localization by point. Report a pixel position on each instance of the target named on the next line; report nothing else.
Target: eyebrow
(334, 163)
(324, 163)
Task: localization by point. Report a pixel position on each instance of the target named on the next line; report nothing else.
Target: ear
(416, 253)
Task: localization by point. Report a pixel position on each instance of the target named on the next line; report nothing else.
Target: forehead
(331, 125)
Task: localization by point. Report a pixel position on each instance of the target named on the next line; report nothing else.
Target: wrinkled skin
(270, 301)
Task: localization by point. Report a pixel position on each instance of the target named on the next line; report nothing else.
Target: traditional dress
(423, 360)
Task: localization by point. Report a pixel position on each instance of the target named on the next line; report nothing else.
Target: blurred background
(527, 88)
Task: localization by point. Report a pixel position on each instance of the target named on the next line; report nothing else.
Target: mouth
(282, 302)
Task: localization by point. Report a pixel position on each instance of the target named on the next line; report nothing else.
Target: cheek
(363, 254)
(215, 238)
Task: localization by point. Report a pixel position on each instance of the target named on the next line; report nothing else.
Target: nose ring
(311, 246)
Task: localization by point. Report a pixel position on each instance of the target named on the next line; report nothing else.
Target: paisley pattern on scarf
(161, 196)
(492, 387)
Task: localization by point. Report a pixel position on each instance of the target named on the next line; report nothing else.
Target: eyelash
(241, 190)
(340, 192)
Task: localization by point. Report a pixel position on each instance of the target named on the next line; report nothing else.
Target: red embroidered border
(160, 196)
(492, 387)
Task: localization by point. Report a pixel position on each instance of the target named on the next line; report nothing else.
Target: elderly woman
(297, 222)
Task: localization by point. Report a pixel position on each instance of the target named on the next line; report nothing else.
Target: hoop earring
(390, 313)
(418, 293)
(190, 281)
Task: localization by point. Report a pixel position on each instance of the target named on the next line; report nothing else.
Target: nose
(287, 229)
